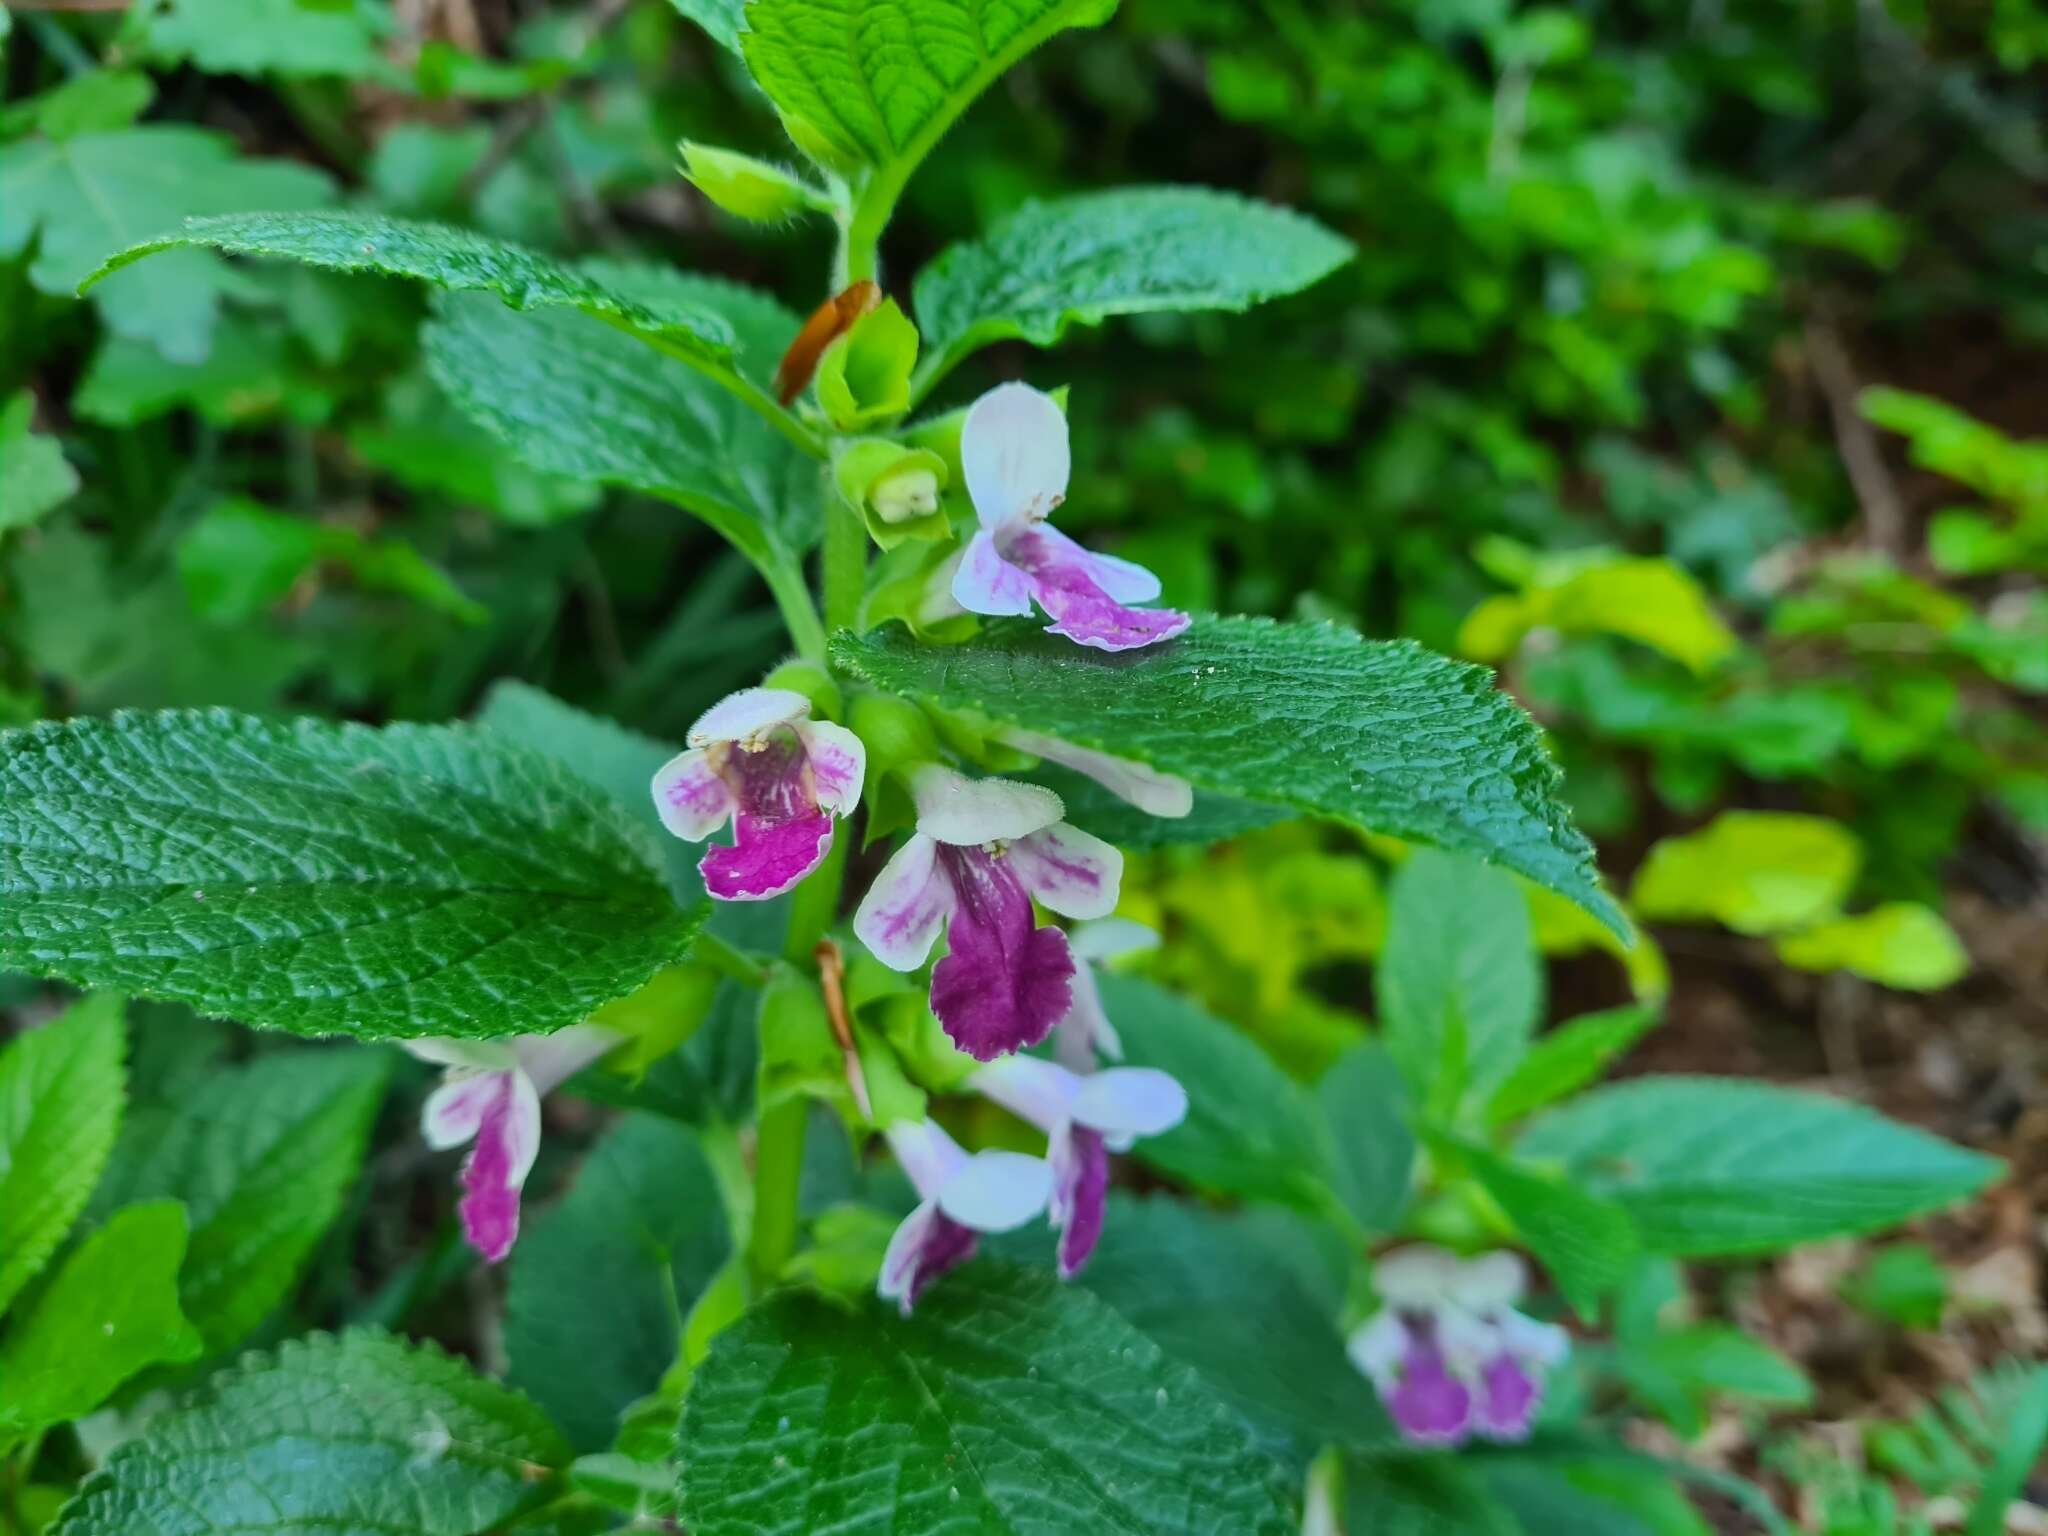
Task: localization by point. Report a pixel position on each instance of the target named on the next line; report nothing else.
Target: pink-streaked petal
(985, 583)
(839, 762)
(1124, 1103)
(905, 907)
(496, 1168)
(766, 857)
(928, 1156)
(1004, 981)
(454, 1112)
(1153, 792)
(1111, 938)
(1041, 1092)
(551, 1060)
(1015, 454)
(1082, 1196)
(1075, 873)
(692, 799)
(956, 809)
(1085, 1033)
(925, 1246)
(1429, 1405)
(1125, 580)
(997, 1191)
(1507, 1399)
(1418, 1277)
(1079, 608)
(748, 715)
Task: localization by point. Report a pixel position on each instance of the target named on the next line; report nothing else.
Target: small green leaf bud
(748, 188)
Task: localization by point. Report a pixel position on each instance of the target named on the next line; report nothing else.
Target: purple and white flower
(959, 1198)
(758, 760)
(982, 850)
(1448, 1353)
(1085, 1116)
(1086, 1032)
(490, 1097)
(1015, 454)
(1159, 794)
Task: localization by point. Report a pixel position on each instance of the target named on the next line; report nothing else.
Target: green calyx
(864, 377)
(896, 488)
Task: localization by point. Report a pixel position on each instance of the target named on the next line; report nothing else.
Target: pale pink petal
(1014, 451)
(1155, 793)
(1080, 1163)
(1063, 584)
(1075, 873)
(1124, 580)
(838, 761)
(997, 1191)
(692, 800)
(495, 1171)
(748, 716)
(928, 1156)
(454, 1112)
(1086, 1031)
(1125, 1103)
(984, 582)
(479, 1055)
(900, 916)
(1041, 1092)
(1538, 1343)
(1111, 938)
(551, 1060)
(968, 812)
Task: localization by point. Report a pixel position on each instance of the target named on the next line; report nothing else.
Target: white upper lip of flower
(952, 808)
(748, 717)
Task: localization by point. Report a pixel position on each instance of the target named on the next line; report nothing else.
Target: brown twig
(832, 980)
(1884, 511)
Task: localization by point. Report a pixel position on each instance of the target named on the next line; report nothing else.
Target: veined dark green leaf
(357, 1434)
(1379, 733)
(458, 259)
(1008, 1406)
(418, 880)
(1134, 250)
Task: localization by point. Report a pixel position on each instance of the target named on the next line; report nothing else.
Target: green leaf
(2022, 1439)
(250, 374)
(1752, 871)
(1457, 983)
(601, 1282)
(418, 880)
(1422, 1495)
(1135, 250)
(1588, 1244)
(1677, 1372)
(1568, 1058)
(39, 477)
(61, 1090)
(82, 197)
(877, 82)
(1905, 1284)
(1008, 1404)
(261, 1155)
(241, 558)
(357, 1434)
(459, 260)
(1250, 1129)
(1378, 733)
(1900, 944)
(1653, 602)
(108, 1312)
(1366, 1106)
(572, 396)
(291, 38)
(1712, 1166)
(721, 19)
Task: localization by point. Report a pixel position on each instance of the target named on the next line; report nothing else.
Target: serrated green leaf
(261, 1155)
(572, 396)
(877, 82)
(1134, 250)
(1379, 733)
(459, 260)
(38, 476)
(1588, 1244)
(357, 1434)
(601, 1283)
(61, 1091)
(1250, 1129)
(1457, 983)
(720, 19)
(1714, 1166)
(83, 197)
(1369, 1114)
(1422, 1495)
(1568, 1058)
(1008, 1406)
(337, 38)
(110, 1311)
(1676, 1372)
(415, 880)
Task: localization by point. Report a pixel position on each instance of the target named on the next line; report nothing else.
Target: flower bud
(895, 487)
(895, 731)
(748, 188)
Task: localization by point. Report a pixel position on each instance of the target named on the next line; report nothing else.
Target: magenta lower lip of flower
(756, 759)
(959, 1197)
(1014, 450)
(983, 850)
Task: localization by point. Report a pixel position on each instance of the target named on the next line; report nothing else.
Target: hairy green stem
(778, 1174)
(733, 964)
(845, 561)
(792, 596)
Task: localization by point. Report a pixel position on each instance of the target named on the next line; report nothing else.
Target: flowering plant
(860, 1258)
